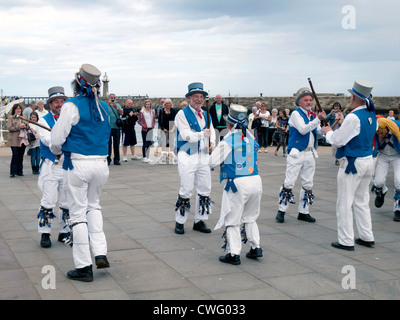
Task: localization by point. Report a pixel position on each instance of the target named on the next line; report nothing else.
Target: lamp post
(105, 85)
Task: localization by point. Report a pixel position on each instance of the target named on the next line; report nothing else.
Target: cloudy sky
(235, 47)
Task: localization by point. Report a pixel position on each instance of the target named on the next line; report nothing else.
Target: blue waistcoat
(45, 152)
(90, 135)
(241, 162)
(190, 148)
(361, 145)
(396, 144)
(298, 140)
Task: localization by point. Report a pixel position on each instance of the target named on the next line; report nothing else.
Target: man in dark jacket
(217, 111)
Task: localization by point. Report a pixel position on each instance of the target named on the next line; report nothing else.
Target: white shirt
(349, 129)
(190, 136)
(297, 122)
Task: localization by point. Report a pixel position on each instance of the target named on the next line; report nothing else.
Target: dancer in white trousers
(194, 143)
(51, 177)
(387, 144)
(304, 130)
(354, 141)
(82, 133)
(241, 198)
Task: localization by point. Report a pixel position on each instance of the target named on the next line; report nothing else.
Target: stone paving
(150, 262)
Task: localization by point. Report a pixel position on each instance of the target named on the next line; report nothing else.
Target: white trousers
(193, 170)
(51, 184)
(383, 162)
(242, 207)
(302, 163)
(84, 184)
(353, 201)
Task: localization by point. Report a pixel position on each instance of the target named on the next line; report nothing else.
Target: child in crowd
(34, 146)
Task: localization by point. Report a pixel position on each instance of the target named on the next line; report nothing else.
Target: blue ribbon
(351, 168)
(67, 164)
(230, 185)
(240, 124)
(368, 100)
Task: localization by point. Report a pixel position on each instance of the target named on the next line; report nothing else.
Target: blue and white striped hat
(56, 93)
(196, 87)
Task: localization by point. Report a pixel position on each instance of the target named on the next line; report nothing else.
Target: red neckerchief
(312, 113)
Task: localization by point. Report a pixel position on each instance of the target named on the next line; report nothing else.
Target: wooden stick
(324, 123)
(208, 120)
(33, 122)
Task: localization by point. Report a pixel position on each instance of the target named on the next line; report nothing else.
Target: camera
(112, 100)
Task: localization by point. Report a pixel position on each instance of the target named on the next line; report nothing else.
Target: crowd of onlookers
(271, 128)
(7, 100)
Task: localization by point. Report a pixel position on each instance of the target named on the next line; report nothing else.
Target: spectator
(264, 115)
(162, 101)
(282, 129)
(272, 126)
(391, 115)
(129, 117)
(147, 121)
(115, 112)
(217, 111)
(183, 105)
(166, 124)
(34, 146)
(14, 127)
(41, 111)
(331, 119)
(28, 110)
(251, 119)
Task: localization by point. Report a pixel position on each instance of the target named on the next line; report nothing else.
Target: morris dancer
(388, 146)
(51, 177)
(354, 141)
(304, 128)
(193, 150)
(82, 133)
(241, 198)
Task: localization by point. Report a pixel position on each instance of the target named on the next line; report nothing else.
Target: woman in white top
(147, 120)
(265, 117)
(272, 126)
(41, 111)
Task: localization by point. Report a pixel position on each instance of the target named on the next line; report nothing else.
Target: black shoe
(179, 228)
(101, 262)
(20, 174)
(12, 175)
(61, 237)
(235, 259)
(201, 226)
(369, 244)
(117, 163)
(254, 253)
(45, 241)
(84, 274)
(280, 217)
(396, 216)
(337, 245)
(305, 217)
(379, 200)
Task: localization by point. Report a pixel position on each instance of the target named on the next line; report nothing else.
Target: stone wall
(382, 104)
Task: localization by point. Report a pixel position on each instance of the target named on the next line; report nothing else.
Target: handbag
(119, 122)
(31, 136)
